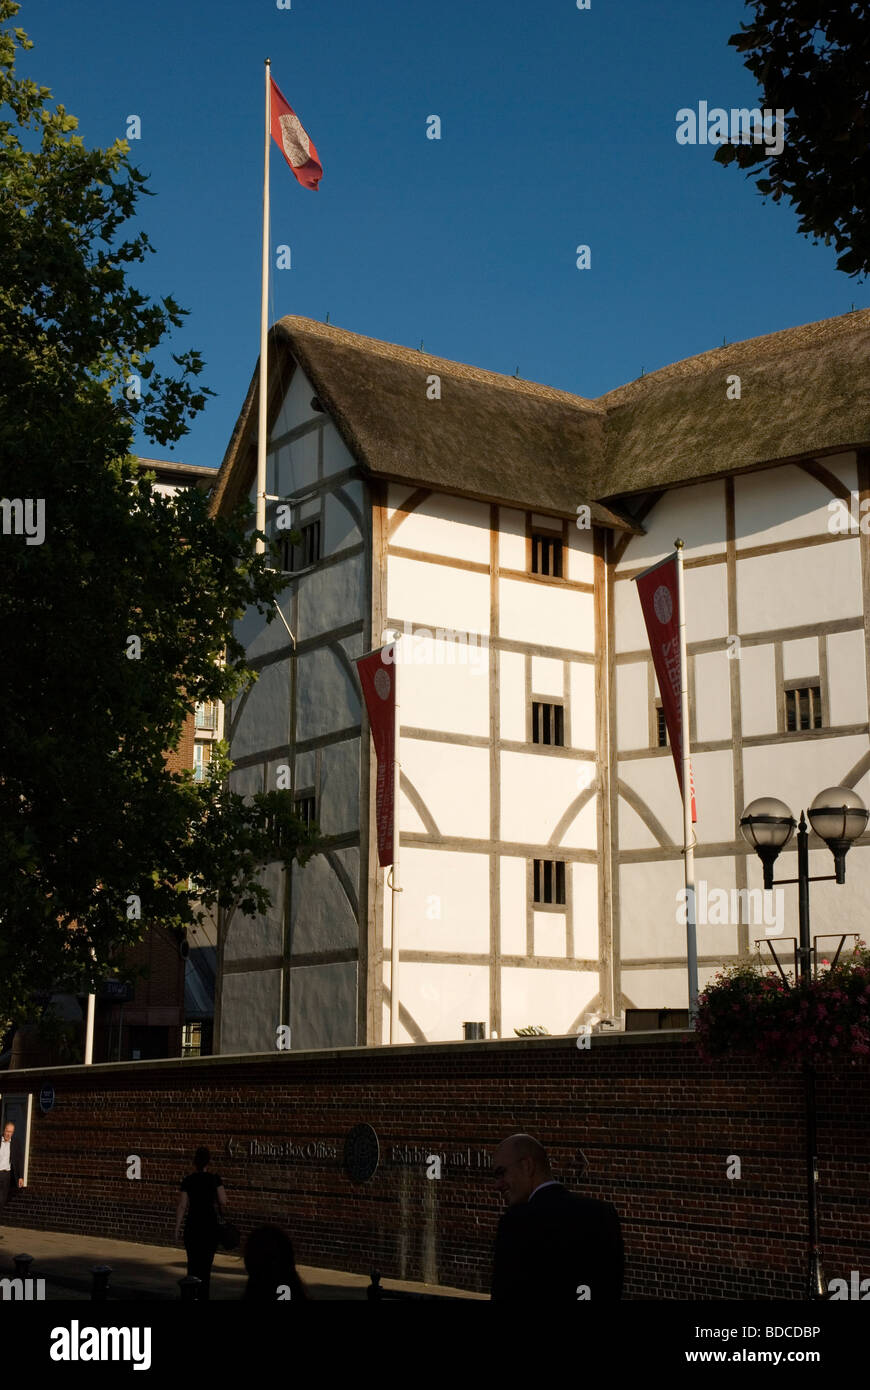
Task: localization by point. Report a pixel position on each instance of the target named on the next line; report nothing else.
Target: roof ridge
(291, 323)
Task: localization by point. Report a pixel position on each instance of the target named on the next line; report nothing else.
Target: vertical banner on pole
(378, 674)
(658, 589)
(662, 600)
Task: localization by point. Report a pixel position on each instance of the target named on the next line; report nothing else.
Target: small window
(201, 760)
(306, 553)
(548, 723)
(191, 1040)
(549, 875)
(803, 707)
(661, 726)
(206, 716)
(304, 806)
(546, 555)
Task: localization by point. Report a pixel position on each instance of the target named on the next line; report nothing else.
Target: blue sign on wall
(46, 1099)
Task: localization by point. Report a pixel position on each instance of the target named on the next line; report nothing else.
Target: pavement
(146, 1272)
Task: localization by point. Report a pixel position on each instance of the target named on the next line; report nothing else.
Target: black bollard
(374, 1289)
(100, 1285)
(190, 1287)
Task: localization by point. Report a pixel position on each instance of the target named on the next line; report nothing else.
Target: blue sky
(558, 128)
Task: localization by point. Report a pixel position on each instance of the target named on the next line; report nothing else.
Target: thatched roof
(492, 437)
(804, 392)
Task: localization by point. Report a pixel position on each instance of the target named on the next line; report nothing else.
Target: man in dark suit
(11, 1163)
(551, 1246)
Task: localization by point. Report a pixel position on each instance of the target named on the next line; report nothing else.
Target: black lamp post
(838, 816)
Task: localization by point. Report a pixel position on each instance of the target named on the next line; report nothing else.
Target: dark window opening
(548, 723)
(803, 707)
(546, 555)
(549, 885)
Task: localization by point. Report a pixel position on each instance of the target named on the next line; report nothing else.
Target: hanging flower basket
(750, 1009)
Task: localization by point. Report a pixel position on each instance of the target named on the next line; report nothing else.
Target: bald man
(551, 1246)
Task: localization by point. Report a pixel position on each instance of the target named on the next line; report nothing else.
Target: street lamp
(838, 816)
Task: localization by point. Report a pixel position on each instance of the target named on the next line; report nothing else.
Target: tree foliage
(811, 59)
(98, 837)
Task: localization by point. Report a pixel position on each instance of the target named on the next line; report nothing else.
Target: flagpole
(394, 906)
(688, 832)
(262, 421)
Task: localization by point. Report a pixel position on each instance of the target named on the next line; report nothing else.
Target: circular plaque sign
(361, 1153)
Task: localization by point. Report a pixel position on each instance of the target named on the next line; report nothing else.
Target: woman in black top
(271, 1266)
(202, 1195)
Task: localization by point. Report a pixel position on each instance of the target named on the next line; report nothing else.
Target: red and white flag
(658, 590)
(293, 140)
(377, 674)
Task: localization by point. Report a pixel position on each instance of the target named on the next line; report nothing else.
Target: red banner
(659, 598)
(377, 675)
(293, 139)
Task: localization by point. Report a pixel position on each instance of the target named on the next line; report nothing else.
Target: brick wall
(656, 1125)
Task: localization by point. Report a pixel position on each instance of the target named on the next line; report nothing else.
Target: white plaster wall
(453, 781)
(441, 998)
(582, 732)
(800, 658)
(262, 935)
(321, 915)
(706, 603)
(250, 1011)
(847, 678)
(337, 458)
(795, 772)
(512, 696)
(713, 696)
(654, 780)
(445, 901)
(546, 615)
(338, 812)
(548, 676)
(323, 1005)
(291, 466)
(444, 525)
(553, 998)
(629, 629)
(512, 539)
(444, 686)
(660, 989)
(648, 910)
(581, 555)
(536, 790)
(330, 598)
(758, 689)
(340, 529)
(296, 406)
(549, 933)
(779, 504)
(513, 905)
(437, 595)
(326, 698)
(632, 705)
(585, 895)
(264, 721)
(714, 796)
(796, 587)
(696, 514)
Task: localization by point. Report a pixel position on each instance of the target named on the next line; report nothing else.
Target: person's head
(201, 1159)
(519, 1165)
(8, 1131)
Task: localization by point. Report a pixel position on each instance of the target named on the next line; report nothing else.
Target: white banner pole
(262, 421)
